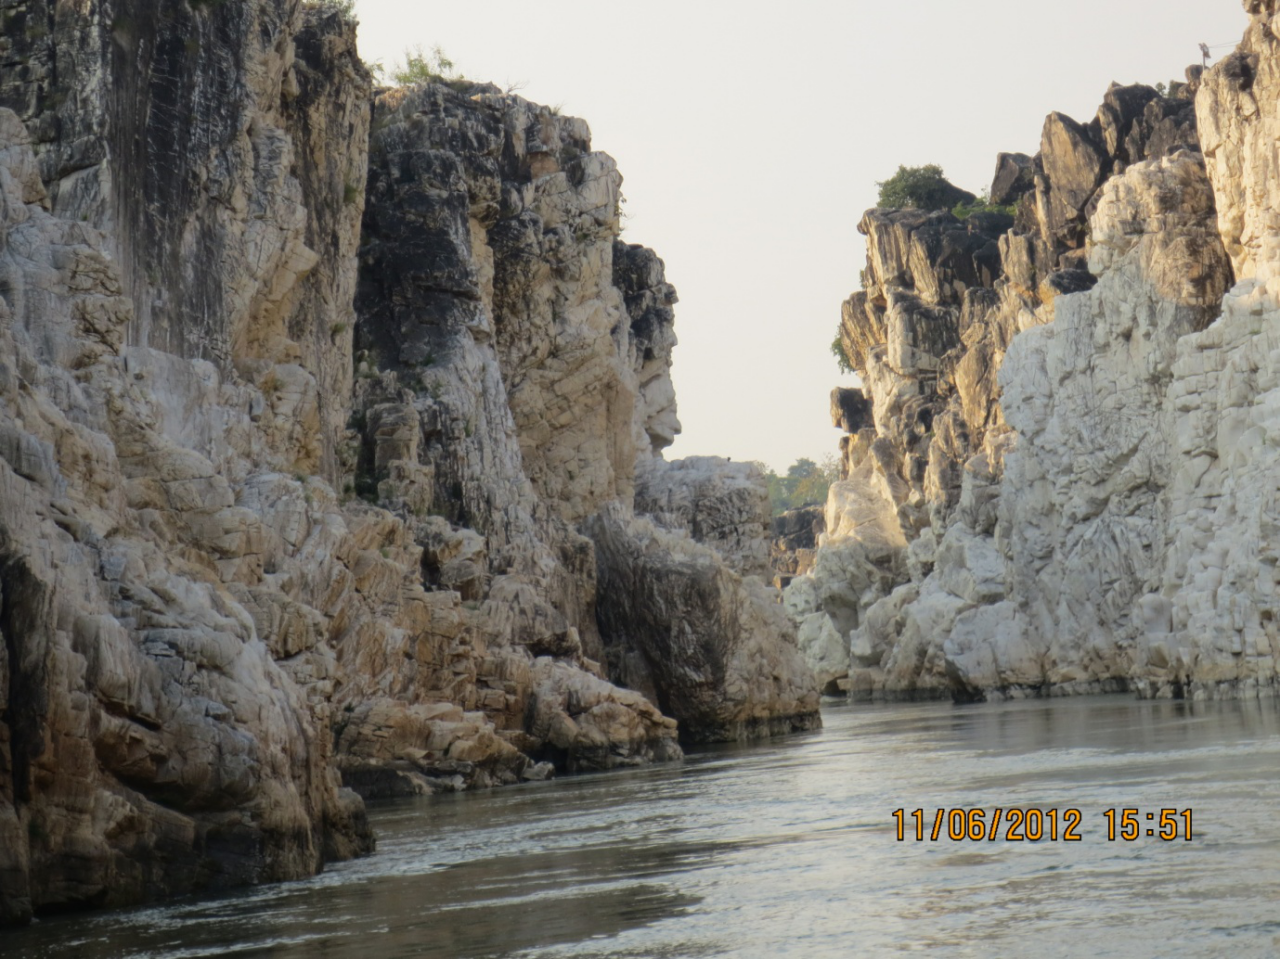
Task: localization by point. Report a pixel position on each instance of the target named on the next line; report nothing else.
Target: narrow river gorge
(338, 489)
(789, 849)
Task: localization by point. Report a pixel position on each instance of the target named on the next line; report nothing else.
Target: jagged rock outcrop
(1014, 178)
(1039, 588)
(721, 504)
(640, 277)
(1020, 512)
(260, 545)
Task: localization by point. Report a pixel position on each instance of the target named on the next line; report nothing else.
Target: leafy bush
(806, 483)
(345, 7)
(982, 204)
(842, 358)
(920, 187)
(419, 67)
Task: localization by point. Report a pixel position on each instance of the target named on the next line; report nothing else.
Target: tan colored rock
(258, 546)
(595, 724)
(148, 701)
(536, 352)
(721, 504)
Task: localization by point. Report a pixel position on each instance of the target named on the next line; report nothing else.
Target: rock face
(1209, 622)
(529, 354)
(1049, 492)
(309, 411)
(721, 504)
(701, 641)
(796, 533)
(154, 741)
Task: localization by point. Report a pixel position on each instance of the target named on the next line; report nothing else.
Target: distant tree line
(805, 483)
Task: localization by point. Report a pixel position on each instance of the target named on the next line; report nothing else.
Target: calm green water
(789, 849)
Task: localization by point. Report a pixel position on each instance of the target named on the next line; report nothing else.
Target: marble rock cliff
(327, 415)
(1058, 469)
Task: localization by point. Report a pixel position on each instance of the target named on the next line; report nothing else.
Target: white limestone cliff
(1061, 481)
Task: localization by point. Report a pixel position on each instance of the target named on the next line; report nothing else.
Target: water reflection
(789, 849)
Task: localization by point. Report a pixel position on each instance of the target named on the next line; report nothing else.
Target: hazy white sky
(751, 136)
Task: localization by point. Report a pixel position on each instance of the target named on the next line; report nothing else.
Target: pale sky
(751, 135)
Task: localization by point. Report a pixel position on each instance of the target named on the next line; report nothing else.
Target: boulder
(1013, 179)
(1074, 165)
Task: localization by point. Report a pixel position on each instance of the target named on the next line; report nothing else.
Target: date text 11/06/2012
(1035, 825)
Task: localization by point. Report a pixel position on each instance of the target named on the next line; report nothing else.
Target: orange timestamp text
(1033, 824)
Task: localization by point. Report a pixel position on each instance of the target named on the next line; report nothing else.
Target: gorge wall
(328, 417)
(1059, 474)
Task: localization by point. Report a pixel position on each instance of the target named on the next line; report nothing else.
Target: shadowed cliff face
(712, 648)
(153, 118)
(191, 112)
(529, 351)
(1018, 508)
(226, 173)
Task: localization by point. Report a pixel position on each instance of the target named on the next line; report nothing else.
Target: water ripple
(788, 849)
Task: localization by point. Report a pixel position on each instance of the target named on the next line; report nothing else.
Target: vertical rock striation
(156, 739)
(1034, 482)
(529, 353)
(1209, 617)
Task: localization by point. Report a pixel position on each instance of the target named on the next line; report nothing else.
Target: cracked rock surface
(1054, 470)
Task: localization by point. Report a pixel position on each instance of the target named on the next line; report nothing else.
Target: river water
(790, 849)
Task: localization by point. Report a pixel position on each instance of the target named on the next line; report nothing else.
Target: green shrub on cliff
(926, 188)
(982, 204)
(919, 187)
(420, 67)
(837, 350)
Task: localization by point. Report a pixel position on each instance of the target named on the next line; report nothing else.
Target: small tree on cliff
(838, 351)
(922, 188)
(422, 67)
